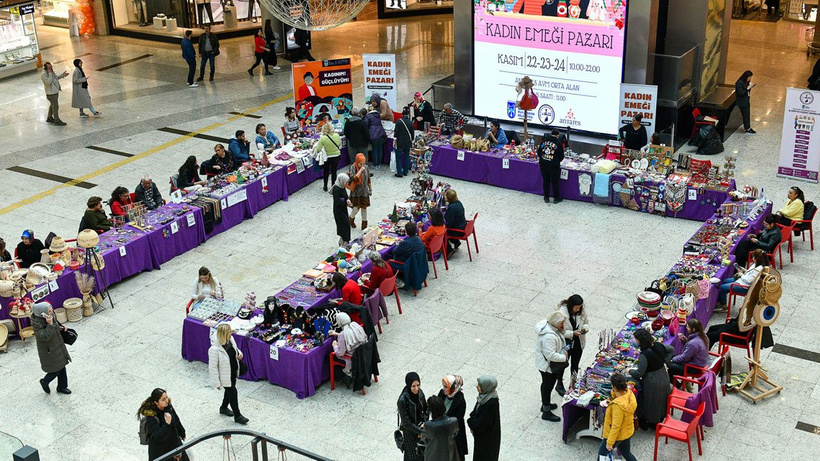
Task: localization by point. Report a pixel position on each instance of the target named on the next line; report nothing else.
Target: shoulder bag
(69, 335)
(398, 436)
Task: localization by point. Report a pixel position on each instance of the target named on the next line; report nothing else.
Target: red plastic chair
(334, 360)
(732, 295)
(715, 366)
(188, 306)
(465, 234)
(394, 276)
(388, 287)
(810, 227)
(680, 396)
(728, 340)
(695, 114)
(675, 429)
(786, 236)
(437, 246)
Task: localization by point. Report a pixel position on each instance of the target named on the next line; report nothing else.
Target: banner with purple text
(800, 142)
(572, 50)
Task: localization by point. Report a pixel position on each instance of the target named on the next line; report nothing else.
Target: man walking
(189, 55)
(51, 84)
(208, 50)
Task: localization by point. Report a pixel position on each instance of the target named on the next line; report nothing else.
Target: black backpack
(144, 435)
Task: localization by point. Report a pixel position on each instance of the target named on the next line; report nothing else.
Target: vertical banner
(800, 146)
(323, 90)
(639, 99)
(380, 77)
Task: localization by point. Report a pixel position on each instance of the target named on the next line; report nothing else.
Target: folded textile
(601, 188)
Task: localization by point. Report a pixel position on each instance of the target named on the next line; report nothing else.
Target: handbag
(69, 336)
(398, 436)
(557, 368)
(243, 367)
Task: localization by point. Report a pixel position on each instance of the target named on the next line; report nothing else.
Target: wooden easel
(755, 392)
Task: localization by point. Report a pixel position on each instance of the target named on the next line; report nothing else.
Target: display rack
(56, 12)
(19, 47)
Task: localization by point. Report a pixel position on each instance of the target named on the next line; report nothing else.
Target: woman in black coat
(341, 203)
(189, 174)
(743, 88)
(485, 421)
(412, 413)
(165, 431)
(456, 406)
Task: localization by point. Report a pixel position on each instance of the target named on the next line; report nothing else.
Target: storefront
(400, 8)
(801, 10)
(166, 19)
(19, 48)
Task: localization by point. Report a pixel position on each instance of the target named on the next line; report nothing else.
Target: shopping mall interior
(475, 318)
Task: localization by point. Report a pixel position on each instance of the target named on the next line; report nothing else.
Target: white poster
(639, 99)
(574, 55)
(799, 145)
(380, 77)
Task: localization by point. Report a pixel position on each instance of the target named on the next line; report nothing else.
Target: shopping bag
(393, 161)
(606, 457)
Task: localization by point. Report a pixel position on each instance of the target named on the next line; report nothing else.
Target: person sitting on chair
(351, 337)
(407, 247)
(695, 350)
(793, 209)
(381, 271)
(94, 216)
(147, 192)
(766, 240)
(120, 199)
(743, 279)
(350, 289)
(28, 250)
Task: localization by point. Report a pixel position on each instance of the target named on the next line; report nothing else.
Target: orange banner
(323, 90)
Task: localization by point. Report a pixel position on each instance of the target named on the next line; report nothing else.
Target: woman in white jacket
(80, 98)
(550, 359)
(223, 368)
(575, 333)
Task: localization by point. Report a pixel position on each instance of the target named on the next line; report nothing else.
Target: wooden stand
(750, 387)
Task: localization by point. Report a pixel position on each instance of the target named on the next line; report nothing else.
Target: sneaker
(399, 284)
(241, 420)
(97, 114)
(396, 175)
(45, 387)
(193, 85)
(751, 131)
(276, 68)
(83, 114)
(225, 411)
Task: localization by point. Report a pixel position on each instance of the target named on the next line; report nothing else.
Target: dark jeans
(575, 355)
(329, 169)
(746, 113)
(675, 369)
(200, 16)
(548, 381)
(231, 398)
(742, 251)
(403, 161)
(303, 53)
(62, 378)
(260, 58)
(620, 445)
(551, 175)
(782, 220)
(191, 70)
(378, 150)
(207, 57)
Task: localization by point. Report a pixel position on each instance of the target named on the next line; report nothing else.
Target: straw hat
(57, 245)
(87, 239)
(6, 288)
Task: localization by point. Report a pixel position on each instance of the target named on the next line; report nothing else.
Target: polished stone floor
(477, 318)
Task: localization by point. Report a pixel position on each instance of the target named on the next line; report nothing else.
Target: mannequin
(251, 4)
(206, 5)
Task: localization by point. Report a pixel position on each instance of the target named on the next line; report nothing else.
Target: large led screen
(572, 50)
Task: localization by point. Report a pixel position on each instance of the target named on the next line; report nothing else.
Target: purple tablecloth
(525, 176)
(166, 245)
(299, 372)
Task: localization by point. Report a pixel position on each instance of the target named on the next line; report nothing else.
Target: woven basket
(60, 315)
(74, 309)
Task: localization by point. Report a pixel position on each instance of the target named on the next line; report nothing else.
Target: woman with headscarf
(456, 407)
(340, 205)
(743, 88)
(653, 378)
(351, 337)
(381, 271)
(50, 347)
(80, 99)
(422, 111)
(485, 421)
(551, 359)
(412, 413)
(362, 189)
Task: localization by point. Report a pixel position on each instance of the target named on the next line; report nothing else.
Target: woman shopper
(331, 143)
(340, 205)
(207, 286)
(223, 368)
(360, 196)
(653, 379)
(271, 40)
(794, 207)
(51, 85)
(80, 99)
(550, 359)
(412, 408)
(618, 425)
(404, 134)
(456, 407)
(439, 434)
(575, 332)
(260, 51)
(163, 428)
(376, 133)
(485, 421)
(743, 89)
(120, 199)
(695, 350)
(50, 347)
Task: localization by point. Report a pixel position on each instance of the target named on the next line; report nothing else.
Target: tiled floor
(477, 318)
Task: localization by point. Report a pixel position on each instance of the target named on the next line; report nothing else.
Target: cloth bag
(393, 161)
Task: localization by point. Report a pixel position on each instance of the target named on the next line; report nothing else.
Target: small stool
(26, 332)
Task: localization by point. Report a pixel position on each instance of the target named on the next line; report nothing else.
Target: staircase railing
(259, 445)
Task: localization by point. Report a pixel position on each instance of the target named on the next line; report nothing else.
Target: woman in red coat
(119, 199)
(381, 271)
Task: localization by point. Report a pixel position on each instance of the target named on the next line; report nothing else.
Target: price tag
(274, 352)
(505, 164)
(264, 181)
(174, 227)
(122, 250)
(564, 174)
(52, 285)
(191, 220)
(693, 194)
(40, 293)
(224, 203)
(460, 155)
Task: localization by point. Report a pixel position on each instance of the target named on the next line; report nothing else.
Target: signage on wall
(27, 9)
(573, 51)
(380, 77)
(638, 99)
(800, 140)
(323, 90)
